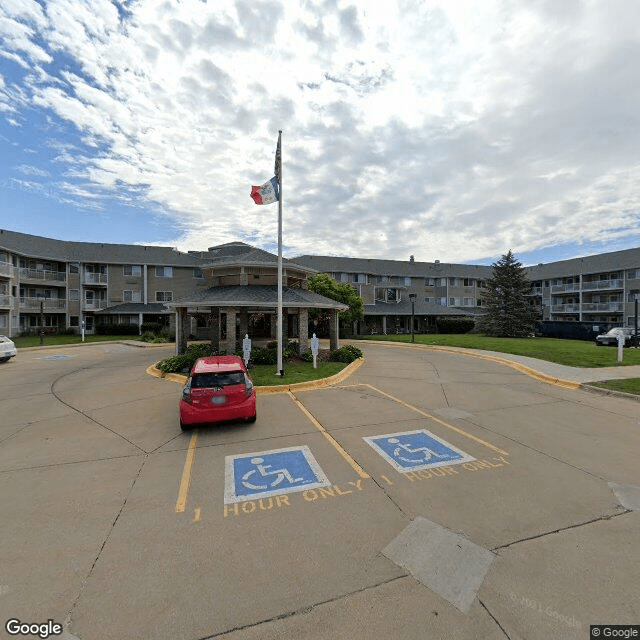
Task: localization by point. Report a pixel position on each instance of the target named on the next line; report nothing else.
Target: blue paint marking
(251, 476)
(413, 450)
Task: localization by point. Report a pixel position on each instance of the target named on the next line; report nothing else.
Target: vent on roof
(411, 259)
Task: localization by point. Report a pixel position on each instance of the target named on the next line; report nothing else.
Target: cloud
(439, 129)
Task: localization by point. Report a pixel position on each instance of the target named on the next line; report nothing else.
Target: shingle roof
(402, 268)
(136, 307)
(67, 251)
(257, 296)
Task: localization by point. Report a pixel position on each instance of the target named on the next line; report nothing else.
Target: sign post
(620, 346)
(82, 330)
(315, 347)
(246, 349)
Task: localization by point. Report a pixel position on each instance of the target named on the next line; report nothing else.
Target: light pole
(412, 297)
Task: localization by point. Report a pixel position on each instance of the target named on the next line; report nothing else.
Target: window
(74, 294)
(74, 267)
(468, 302)
(131, 296)
(74, 321)
(429, 282)
(407, 282)
(134, 270)
(3, 320)
(391, 295)
(468, 282)
(361, 278)
(164, 296)
(344, 277)
(197, 273)
(428, 299)
(453, 282)
(385, 279)
(164, 272)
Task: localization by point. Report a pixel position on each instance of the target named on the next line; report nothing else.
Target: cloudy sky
(447, 129)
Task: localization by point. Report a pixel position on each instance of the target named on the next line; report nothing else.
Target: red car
(218, 388)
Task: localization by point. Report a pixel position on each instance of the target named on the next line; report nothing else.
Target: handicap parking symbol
(414, 450)
(249, 476)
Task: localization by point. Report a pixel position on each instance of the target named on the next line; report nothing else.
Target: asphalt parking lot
(429, 495)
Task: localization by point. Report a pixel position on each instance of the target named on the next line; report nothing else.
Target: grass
(632, 385)
(265, 374)
(34, 341)
(574, 353)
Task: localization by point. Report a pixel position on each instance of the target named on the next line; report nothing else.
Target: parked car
(611, 337)
(7, 349)
(219, 388)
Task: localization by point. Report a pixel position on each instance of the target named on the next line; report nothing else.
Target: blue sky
(445, 130)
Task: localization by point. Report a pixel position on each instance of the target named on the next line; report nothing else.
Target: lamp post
(412, 297)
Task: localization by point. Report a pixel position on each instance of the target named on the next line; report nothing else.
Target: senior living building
(228, 289)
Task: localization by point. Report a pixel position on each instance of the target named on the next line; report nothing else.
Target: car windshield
(211, 380)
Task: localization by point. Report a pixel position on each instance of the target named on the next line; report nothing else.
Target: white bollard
(620, 346)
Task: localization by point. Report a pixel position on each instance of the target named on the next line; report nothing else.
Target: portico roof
(265, 296)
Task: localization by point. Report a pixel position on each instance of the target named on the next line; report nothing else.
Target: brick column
(214, 328)
(231, 330)
(303, 329)
(334, 338)
(181, 324)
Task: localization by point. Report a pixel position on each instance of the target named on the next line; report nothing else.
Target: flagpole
(280, 370)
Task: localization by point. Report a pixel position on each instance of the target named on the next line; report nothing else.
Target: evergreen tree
(508, 311)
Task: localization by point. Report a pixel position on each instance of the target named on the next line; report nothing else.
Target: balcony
(599, 285)
(95, 278)
(42, 275)
(50, 304)
(95, 305)
(6, 270)
(565, 288)
(590, 307)
(565, 308)
(6, 301)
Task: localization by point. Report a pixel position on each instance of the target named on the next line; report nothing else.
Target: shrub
(347, 354)
(454, 325)
(152, 327)
(265, 355)
(307, 356)
(117, 329)
(184, 362)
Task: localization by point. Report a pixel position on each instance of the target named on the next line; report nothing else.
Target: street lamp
(412, 297)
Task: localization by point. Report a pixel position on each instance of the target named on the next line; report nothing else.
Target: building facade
(57, 285)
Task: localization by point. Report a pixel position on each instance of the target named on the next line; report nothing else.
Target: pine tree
(508, 311)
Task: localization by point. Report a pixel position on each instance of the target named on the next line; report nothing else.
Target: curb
(543, 377)
(73, 345)
(601, 391)
(280, 388)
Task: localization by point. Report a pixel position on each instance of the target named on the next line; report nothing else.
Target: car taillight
(248, 386)
(186, 394)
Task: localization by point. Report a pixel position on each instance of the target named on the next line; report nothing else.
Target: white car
(611, 337)
(7, 349)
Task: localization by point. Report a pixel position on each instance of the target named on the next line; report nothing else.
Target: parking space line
(186, 474)
(354, 465)
(438, 420)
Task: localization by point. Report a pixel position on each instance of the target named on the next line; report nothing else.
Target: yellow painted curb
(523, 368)
(279, 388)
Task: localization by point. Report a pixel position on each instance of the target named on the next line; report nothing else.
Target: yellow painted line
(354, 465)
(442, 422)
(186, 474)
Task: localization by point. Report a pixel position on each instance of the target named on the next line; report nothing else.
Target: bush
(184, 362)
(347, 354)
(307, 356)
(454, 325)
(265, 355)
(117, 329)
(152, 327)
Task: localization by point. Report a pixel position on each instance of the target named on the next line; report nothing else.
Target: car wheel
(5, 359)
(252, 418)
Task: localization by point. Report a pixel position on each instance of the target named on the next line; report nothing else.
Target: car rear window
(211, 380)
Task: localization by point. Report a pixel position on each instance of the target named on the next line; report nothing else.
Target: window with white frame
(74, 267)
(468, 282)
(362, 278)
(134, 270)
(344, 277)
(164, 272)
(468, 302)
(164, 296)
(429, 282)
(131, 296)
(4, 320)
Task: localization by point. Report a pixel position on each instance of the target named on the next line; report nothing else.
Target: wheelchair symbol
(264, 471)
(424, 452)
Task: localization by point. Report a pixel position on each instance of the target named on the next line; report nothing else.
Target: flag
(267, 193)
(276, 169)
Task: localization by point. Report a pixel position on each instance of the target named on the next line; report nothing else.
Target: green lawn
(574, 353)
(632, 385)
(34, 341)
(265, 374)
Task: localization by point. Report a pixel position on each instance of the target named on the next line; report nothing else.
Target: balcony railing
(95, 278)
(602, 306)
(42, 274)
(95, 305)
(6, 269)
(565, 288)
(597, 285)
(565, 308)
(5, 300)
(50, 304)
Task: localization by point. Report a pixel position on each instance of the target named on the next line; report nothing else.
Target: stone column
(334, 338)
(181, 324)
(214, 328)
(384, 325)
(231, 330)
(303, 329)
